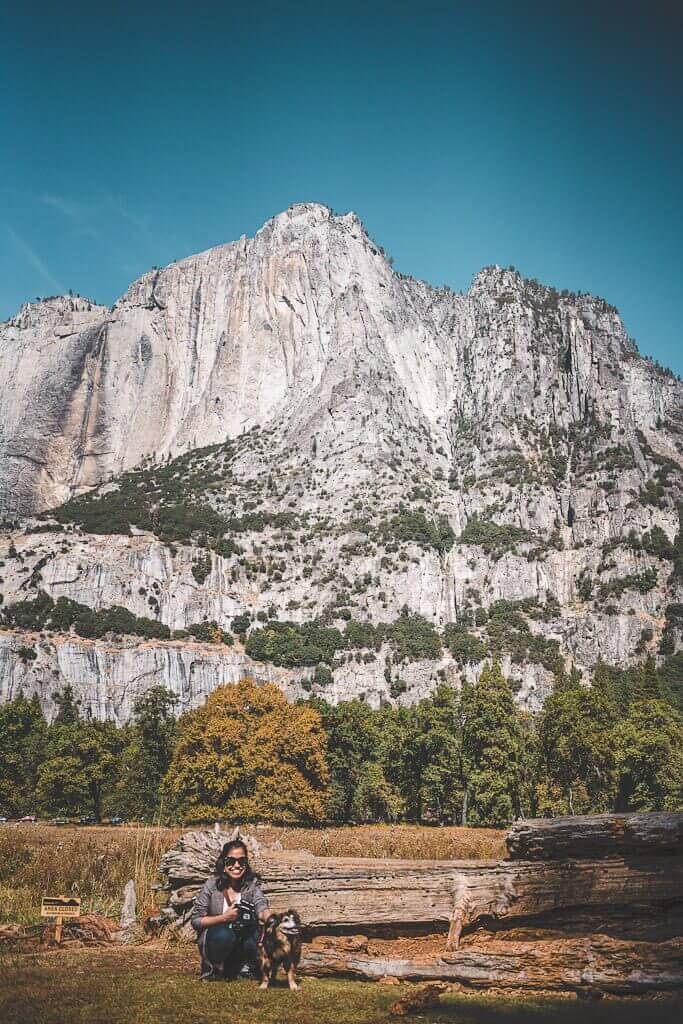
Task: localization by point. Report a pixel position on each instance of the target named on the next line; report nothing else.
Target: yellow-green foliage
(248, 754)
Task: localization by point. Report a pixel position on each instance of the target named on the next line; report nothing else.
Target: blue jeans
(232, 949)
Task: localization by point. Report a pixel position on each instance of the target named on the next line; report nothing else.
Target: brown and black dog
(280, 944)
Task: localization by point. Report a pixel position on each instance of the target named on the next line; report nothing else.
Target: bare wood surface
(597, 964)
(596, 835)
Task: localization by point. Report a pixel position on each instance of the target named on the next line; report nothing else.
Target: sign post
(60, 907)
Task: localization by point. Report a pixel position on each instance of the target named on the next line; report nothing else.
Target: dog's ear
(295, 914)
(271, 922)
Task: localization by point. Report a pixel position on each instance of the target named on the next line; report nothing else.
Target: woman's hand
(227, 918)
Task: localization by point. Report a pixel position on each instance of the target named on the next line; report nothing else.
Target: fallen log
(595, 964)
(547, 905)
(596, 835)
(340, 893)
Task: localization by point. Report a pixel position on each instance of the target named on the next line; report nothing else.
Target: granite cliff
(284, 429)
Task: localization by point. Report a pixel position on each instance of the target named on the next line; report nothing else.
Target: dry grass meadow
(96, 862)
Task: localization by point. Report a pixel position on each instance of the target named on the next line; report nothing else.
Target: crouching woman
(227, 915)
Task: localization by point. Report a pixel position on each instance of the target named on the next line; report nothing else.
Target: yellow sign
(60, 906)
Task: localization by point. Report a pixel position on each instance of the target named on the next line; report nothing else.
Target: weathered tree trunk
(346, 893)
(596, 835)
(596, 964)
(578, 922)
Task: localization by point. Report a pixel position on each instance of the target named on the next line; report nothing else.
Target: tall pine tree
(491, 751)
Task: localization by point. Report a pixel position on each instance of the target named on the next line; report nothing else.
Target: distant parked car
(60, 821)
(2, 820)
(29, 819)
(88, 819)
(116, 820)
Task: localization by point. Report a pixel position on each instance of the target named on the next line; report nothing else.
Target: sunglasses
(239, 861)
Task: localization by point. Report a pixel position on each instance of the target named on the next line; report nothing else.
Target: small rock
(127, 919)
(424, 998)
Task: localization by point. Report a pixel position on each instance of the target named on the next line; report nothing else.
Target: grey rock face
(354, 397)
(49, 357)
(108, 677)
(269, 328)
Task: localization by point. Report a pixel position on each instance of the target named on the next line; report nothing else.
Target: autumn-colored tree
(247, 754)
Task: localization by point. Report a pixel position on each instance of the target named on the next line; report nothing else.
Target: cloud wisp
(105, 219)
(32, 258)
(79, 214)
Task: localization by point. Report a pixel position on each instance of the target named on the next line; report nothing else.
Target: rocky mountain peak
(284, 427)
(54, 311)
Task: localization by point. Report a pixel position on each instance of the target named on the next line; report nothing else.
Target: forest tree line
(457, 757)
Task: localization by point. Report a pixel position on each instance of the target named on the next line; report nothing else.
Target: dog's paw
(263, 985)
(294, 987)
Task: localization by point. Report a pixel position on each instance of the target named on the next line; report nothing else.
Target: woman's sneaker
(249, 972)
(210, 972)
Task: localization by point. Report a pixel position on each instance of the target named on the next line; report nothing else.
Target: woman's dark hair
(219, 870)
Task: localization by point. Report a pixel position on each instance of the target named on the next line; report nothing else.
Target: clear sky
(463, 134)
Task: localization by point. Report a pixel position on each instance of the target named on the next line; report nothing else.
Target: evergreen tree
(576, 761)
(645, 682)
(23, 733)
(491, 751)
(68, 708)
(649, 753)
(148, 754)
(353, 745)
(403, 755)
(374, 798)
(529, 764)
(80, 768)
(439, 722)
(81, 759)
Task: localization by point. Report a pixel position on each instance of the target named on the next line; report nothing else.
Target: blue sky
(463, 134)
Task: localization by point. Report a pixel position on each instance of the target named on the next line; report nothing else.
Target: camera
(247, 918)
